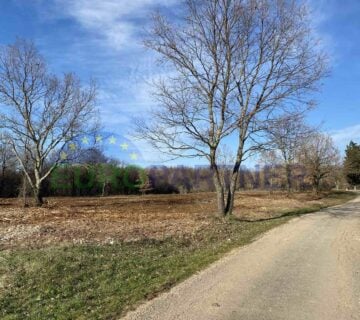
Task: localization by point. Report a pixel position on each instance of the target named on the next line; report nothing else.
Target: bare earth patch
(132, 218)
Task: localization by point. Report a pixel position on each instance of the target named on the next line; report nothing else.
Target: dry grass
(132, 218)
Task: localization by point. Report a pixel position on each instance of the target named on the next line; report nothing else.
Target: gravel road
(307, 269)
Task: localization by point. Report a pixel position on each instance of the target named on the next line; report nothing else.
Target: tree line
(98, 175)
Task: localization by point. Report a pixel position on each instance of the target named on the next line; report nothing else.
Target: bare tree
(320, 157)
(235, 65)
(287, 135)
(40, 113)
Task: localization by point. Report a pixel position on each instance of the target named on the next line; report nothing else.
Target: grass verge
(104, 281)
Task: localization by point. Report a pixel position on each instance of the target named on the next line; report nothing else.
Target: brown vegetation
(133, 218)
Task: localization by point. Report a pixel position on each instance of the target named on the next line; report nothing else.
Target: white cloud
(112, 19)
(113, 27)
(342, 137)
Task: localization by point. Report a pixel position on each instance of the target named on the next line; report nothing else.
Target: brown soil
(128, 218)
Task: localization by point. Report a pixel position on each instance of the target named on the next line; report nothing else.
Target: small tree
(40, 113)
(320, 157)
(352, 164)
(287, 134)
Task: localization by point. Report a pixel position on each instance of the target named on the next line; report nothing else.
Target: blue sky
(102, 40)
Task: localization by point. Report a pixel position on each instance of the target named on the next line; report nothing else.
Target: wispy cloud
(343, 136)
(117, 21)
(103, 41)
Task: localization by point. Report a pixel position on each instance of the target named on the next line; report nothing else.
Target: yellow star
(99, 139)
(112, 140)
(124, 146)
(133, 156)
(72, 146)
(85, 140)
(63, 155)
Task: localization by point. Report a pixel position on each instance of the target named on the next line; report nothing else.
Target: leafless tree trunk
(24, 178)
(41, 113)
(235, 66)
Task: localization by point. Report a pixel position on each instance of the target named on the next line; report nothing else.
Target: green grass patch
(100, 282)
(104, 281)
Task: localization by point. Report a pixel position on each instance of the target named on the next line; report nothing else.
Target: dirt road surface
(307, 269)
